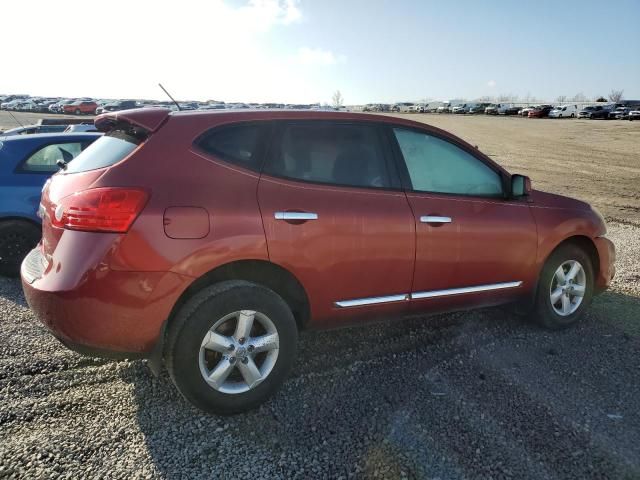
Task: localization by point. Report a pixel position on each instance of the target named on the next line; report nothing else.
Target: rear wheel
(17, 239)
(565, 288)
(231, 346)
(77, 112)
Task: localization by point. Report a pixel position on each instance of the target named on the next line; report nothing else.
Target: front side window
(438, 166)
(237, 144)
(339, 154)
(45, 159)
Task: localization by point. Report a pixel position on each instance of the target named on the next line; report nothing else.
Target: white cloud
(263, 14)
(318, 56)
(491, 83)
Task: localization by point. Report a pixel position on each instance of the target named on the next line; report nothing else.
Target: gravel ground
(469, 395)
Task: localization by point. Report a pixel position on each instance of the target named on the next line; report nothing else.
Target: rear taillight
(100, 209)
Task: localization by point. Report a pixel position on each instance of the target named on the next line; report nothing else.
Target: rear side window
(45, 160)
(340, 154)
(237, 144)
(104, 152)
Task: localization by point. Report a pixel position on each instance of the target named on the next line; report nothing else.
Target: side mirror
(520, 186)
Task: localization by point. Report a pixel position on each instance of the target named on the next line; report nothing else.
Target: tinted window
(46, 158)
(330, 153)
(238, 144)
(104, 152)
(436, 165)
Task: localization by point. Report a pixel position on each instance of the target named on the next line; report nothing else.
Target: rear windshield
(104, 152)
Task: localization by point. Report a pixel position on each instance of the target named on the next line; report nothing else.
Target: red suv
(81, 107)
(207, 240)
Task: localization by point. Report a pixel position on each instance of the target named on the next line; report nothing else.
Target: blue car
(26, 162)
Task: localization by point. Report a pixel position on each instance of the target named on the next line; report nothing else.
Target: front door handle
(436, 219)
(296, 216)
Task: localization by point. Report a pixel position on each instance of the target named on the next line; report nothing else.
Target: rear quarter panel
(177, 175)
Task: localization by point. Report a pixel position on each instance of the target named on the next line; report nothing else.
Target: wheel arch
(585, 243)
(582, 241)
(262, 272)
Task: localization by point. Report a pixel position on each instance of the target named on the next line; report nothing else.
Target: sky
(302, 51)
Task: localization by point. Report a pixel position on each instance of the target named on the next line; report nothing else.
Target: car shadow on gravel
(466, 395)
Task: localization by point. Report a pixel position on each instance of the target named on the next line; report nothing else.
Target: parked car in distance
(462, 108)
(26, 161)
(497, 108)
(594, 112)
(58, 106)
(143, 254)
(81, 107)
(564, 111)
(634, 114)
(416, 108)
(620, 113)
(525, 110)
(31, 129)
(540, 111)
(117, 106)
(478, 108)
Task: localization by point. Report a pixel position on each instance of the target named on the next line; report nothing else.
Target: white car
(634, 114)
(460, 108)
(564, 111)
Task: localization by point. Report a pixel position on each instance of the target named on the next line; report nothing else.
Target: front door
(473, 246)
(335, 216)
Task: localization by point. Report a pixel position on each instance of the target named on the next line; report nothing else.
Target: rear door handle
(434, 219)
(300, 216)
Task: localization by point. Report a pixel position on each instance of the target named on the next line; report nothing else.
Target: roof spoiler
(148, 119)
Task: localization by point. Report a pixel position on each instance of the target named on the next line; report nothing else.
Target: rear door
(335, 216)
(473, 246)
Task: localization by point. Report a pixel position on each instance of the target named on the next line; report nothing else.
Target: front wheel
(565, 288)
(231, 346)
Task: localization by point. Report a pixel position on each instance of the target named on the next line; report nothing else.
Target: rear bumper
(105, 312)
(607, 256)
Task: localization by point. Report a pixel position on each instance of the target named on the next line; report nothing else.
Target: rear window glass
(237, 144)
(104, 152)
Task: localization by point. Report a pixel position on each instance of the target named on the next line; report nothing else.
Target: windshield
(104, 152)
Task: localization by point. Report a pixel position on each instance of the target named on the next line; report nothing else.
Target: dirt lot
(471, 395)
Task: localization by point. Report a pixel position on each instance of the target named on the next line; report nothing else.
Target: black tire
(573, 115)
(198, 315)
(17, 239)
(544, 312)
(77, 112)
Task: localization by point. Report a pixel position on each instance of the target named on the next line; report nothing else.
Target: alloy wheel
(239, 352)
(568, 287)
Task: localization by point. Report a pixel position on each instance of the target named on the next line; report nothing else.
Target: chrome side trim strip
(359, 302)
(459, 291)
